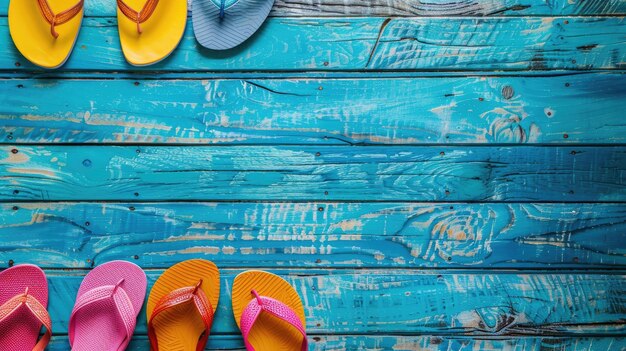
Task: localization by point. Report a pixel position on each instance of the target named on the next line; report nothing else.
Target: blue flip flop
(224, 24)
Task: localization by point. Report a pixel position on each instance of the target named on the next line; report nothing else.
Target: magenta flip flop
(23, 304)
(107, 305)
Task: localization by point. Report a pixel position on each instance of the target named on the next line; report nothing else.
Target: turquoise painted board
(317, 8)
(579, 108)
(391, 173)
(313, 44)
(370, 151)
(383, 302)
(538, 236)
(448, 7)
(407, 343)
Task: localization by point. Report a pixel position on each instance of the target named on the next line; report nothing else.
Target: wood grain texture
(406, 343)
(278, 235)
(389, 173)
(405, 244)
(332, 8)
(447, 7)
(588, 108)
(313, 44)
(421, 302)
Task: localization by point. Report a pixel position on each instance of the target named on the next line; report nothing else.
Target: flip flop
(224, 24)
(45, 31)
(181, 306)
(269, 313)
(150, 30)
(23, 303)
(107, 305)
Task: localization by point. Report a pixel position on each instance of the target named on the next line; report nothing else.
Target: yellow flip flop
(45, 31)
(269, 313)
(181, 306)
(150, 30)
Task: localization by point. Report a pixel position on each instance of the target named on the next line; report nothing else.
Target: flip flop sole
(32, 37)
(100, 328)
(179, 328)
(269, 333)
(240, 22)
(21, 331)
(160, 35)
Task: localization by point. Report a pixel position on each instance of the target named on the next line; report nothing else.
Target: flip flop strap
(222, 8)
(123, 304)
(35, 308)
(141, 16)
(178, 297)
(60, 18)
(274, 307)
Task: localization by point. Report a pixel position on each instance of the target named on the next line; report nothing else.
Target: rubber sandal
(182, 305)
(23, 303)
(45, 31)
(224, 24)
(107, 305)
(269, 313)
(150, 30)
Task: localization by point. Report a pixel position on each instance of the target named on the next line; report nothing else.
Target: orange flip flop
(45, 31)
(269, 313)
(181, 306)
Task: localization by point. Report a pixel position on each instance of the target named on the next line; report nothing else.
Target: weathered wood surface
(356, 173)
(310, 44)
(394, 275)
(290, 234)
(317, 111)
(332, 8)
(421, 302)
(447, 7)
(406, 343)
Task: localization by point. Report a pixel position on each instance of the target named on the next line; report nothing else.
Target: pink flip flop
(23, 303)
(107, 305)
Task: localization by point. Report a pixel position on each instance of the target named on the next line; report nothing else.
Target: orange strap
(180, 296)
(57, 19)
(35, 308)
(141, 16)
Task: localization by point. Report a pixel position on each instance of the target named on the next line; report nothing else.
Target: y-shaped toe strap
(35, 308)
(123, 304)
(222, 8)
(140, 16)
(55, 19)
(178, 297)
(274, 307)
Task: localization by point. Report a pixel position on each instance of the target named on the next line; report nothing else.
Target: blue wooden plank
(469, 44)
(507, 43)
(421, 302)
(406, 343)
(62, 75)
(477, 110)
(389, 173)
(545, 236)
(332, 8)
